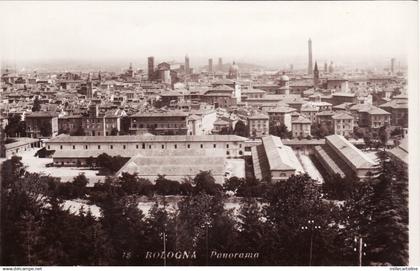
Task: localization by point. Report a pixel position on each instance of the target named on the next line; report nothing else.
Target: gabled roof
(361, 107)
(309, 108)
(342, 116)
(343, 94)
(281, 109)
(401, 151)
(258, 116)
(301, 119)
(326, 113)
(395, 104)
(176, 164)
(222, 88)
(252, 90)
(280, 157)
(223, 82)
(343, 106)
(194, 117)
(378, 111)
(352, 154)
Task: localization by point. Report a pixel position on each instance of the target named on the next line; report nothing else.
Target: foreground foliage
(277, 221)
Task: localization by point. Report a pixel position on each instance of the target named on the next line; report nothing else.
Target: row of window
(344, 121)
(259, 121)
(143, 146)
(168, 125)
(379, 117)
(345, 127)
(78, 161)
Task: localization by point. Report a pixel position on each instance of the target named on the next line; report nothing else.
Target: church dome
(233, 71)
(284, 77)
(234, 67)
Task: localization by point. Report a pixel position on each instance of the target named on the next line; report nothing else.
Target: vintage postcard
(209, 133)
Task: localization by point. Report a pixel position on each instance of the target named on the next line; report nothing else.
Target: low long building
(339, 156)
(177, 164)
(274, 161)
(400, 152)
(74, 150)
(20, 145)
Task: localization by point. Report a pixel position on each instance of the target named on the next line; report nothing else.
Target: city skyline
(84, 33)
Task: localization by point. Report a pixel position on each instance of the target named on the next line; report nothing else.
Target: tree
(240, 129)
(397, 132)
(63, 131)
(203, 225)
(90, 161)
(324, 130)
(383, 135)
(315, 130)
(226, 131)
(37, 105)
(45, 128)
(78, 132)
(125, 125)
(22, 202)
(378, 211)
(233, 184)
(94, 247)
(114, 131)
(110, 164)
(289, 205)
(79, 183)
(186, 188)
(339, 188)
(280, 131)
(123, 223)
(367, 138)
(254, 133)
(205, 183)
(252, 227)
(15, 127)
(165, 187)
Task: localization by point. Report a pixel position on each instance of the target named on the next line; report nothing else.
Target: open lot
(35, 164)
(235, 168)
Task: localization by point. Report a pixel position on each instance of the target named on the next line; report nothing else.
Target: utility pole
(310, 249)
(164, 231)
(359, 245)
(164, 249)
(360, 250)
(310, 226)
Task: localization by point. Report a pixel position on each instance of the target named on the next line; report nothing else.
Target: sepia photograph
(209, 133)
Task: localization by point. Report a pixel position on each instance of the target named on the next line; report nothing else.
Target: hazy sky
(264, 32)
